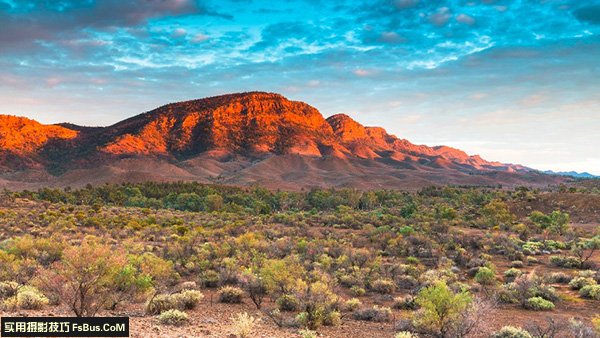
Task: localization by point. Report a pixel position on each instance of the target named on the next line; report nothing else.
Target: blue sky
(514, 81)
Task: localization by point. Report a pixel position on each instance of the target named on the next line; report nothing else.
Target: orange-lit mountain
(22, 140)
(247, 138)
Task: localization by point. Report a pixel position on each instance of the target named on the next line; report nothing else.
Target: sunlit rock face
(249, 122)
(24, 136)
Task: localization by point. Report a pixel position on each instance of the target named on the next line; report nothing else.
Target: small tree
(255, 285)
(556, 222)
(214, 202)
(130, 282)
(441, 310)
(522, 287)
(85, 278)
(281, 275)
(539, 219)
(496, 213)
(14, 269)
(585, 249)
(552, 328)
(189, 201)
(559, 222)
(318, 302)
(160, 272)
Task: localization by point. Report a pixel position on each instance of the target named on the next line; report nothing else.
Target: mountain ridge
(229, 138)
(571, 173)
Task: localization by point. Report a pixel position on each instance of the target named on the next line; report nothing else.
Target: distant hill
(571, 174)
(243, 139)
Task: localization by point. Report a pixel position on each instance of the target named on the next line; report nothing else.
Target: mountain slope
(246, 138)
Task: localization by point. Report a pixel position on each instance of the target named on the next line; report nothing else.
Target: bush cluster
(173, 317)
(185, 300)
(373, 314)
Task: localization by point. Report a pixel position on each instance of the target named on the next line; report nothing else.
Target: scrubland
(192, 260)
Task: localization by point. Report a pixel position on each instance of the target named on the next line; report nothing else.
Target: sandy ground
(214, 320)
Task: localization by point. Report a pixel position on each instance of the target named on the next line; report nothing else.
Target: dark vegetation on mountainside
(190, 259)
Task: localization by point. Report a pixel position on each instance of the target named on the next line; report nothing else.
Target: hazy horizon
(512, 81)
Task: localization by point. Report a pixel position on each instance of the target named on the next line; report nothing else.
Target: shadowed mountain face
(248, 138)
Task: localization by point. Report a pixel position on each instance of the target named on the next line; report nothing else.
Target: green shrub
(30, 298)
(230, 294)
(350, 281)
(559, 277)
(590, 291)
(26, 298)
(412, 260)
(185, 300)
(507, 295)
(288, 303)
(485, 276)
(161, 303)
(587, 273)
(533, 248)
(383, 286)
(352, 304)
(525, 287)
(210, 279)
(539, 304)
(188, 299)
(516, 264)
(302, 319)
(357, 291)
(570, 262)
(441, 309)
(173, 317)
(317, 301)
(332, 318)
(511, 332)
(512, 273)
(545, 291)
(579, 282)
(555, 245)
(373, 314)
(406, 230)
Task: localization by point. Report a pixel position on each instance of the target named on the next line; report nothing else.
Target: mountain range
(240, 139)
(571, 174)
